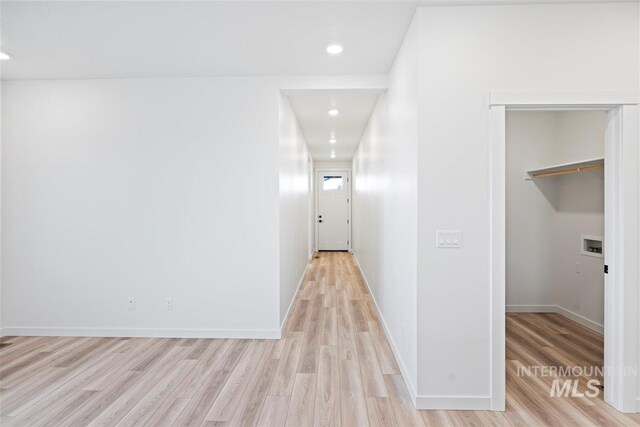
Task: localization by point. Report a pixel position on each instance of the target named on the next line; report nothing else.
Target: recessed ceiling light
(334, 49)
(333, 112)
(4, 56)
(332, 141)
(333, 155)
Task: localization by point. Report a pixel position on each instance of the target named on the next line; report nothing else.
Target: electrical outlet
(168, 304)
(132, 304)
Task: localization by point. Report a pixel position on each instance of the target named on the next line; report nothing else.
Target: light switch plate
(449, 239)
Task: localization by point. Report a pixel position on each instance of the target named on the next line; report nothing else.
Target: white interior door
(333, 211)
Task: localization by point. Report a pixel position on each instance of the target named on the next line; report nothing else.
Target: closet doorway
(555, 187)
(618, 245)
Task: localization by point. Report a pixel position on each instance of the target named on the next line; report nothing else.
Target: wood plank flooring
(333, 367)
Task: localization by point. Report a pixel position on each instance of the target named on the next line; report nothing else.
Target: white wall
(530, 212)
(145, 188)
(546, 217)
(580, 210)
(333, 165)
(150, 189)
(294, 205)
(466, 52)
(385, 210)
(1, 301)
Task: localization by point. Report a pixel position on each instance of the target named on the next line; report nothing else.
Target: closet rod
(568, 171)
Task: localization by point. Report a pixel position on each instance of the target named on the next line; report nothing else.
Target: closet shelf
(565, 169)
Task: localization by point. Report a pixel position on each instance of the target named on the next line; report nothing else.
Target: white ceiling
(119, 39)
(95, 39)
(310, 108)
(179, 38)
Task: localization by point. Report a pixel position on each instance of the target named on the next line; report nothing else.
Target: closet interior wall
(546, 217)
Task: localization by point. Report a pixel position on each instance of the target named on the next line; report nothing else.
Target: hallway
(334, 366)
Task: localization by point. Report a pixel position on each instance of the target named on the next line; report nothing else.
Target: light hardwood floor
(333, 367)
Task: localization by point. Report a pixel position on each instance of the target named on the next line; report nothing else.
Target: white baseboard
(470, 403)
(453, 403)
(559, 310)
(403, 369)
(582, 320)
(153, 332)
(295, 294)
(143, 333)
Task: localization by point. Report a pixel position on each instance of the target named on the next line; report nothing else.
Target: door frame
(311, 208)
(317, 197)
(622, 157)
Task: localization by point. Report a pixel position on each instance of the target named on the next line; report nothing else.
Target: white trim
(293, 300)
(556, 99)
(311, 208)
(403, 368)
(621, 230)
(594, 326)
(333, 165)
(588, 323)
(453, 403)
(339, 169)
(497, 251)
(622, 188)
(379, 87)
(143, 332)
